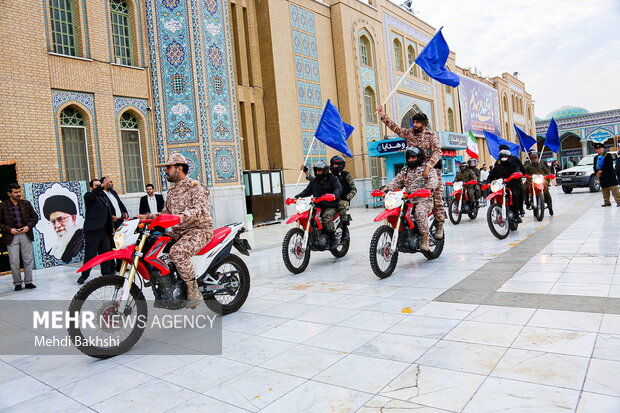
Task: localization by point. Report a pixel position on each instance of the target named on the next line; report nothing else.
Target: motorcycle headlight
(458, 186)
(497, 185)
(538, 179)
(119, 239)
(302, 205)
(393, 200)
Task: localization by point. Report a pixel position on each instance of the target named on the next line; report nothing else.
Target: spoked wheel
(435, 245)
(539, 207)
(498, 223)
(119, 328)
(233, 274)
(454, 212)
(382, 261)
(343, 247)
(473, 212)
(293, 254)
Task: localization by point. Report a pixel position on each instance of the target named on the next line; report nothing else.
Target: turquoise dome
(567, 112)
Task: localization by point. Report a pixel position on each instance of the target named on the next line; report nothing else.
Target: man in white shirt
(151, 203)
(119, 212)
(484, 173)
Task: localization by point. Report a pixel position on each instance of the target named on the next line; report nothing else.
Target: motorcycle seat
(218, 235)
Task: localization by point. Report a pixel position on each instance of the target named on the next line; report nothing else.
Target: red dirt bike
(500, 217)
(144, 249)
(536, 194)
(400, 233)
(459, 204)
(309, 234)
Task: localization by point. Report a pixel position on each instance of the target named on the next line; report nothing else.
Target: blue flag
(552, 140)
(525, 140)
(494, 141)
(433, 61)
(332, 131)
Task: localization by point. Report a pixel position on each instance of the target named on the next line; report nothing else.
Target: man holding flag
(428, 141)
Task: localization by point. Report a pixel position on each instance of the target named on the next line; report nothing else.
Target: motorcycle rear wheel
(473, 213)
(379, 252)
(295, 260)
(343, 247)
(454, 213)
(539, 207)
(81, 297)
(495, 219)
(242, 276)
(436, 245)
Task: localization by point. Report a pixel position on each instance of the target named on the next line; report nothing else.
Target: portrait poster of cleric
(58, 236)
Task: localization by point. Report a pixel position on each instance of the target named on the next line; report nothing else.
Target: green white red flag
(472, 146)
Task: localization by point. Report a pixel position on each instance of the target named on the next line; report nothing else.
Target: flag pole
(398, 84)
(305, 160)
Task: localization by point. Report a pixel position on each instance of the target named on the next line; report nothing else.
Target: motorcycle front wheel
(295, 258)
(539, 207)
(229, 300)
(382, 261)
(498, 223)
(122, 328)
(454, 213)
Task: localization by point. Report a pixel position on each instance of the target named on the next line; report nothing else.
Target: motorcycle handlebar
(472, 182)
(290, 201)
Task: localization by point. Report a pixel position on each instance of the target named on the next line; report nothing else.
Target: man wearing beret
(17, 218)
(604, 169)
(189, 200)
(61, 212)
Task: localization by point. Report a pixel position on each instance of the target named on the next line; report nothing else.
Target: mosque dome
(567, 112)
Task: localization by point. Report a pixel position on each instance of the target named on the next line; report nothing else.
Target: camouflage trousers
(327, 218)
(342, 210)
(422, 210)
(188, 244)
(438, 211)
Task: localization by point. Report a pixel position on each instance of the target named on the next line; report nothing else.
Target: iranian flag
(472, 146)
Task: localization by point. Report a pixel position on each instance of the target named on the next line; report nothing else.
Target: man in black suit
(61, 212)
(151, 202)
(98, 228)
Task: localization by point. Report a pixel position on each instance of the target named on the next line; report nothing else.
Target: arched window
(73, 131)
(369, 105)
(451, 120)
(365, 51)
(505, 103)
(398, 56)
(411, 56)
(132, 155)
(62, 20)
(121, 32)
(506, 131)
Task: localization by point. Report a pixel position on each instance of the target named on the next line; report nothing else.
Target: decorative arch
(365, 51)
(451, 120)
(370, 105)
(411, 56)
(133, 143)
(398, 55)
(75, 146)
(505, 102)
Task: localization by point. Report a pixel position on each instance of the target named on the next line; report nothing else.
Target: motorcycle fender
(387, 213)
(124, 254)
(455, 193)
(298, 217)
(221, 256)
(495, 194)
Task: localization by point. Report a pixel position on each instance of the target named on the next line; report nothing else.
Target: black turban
(59, 203)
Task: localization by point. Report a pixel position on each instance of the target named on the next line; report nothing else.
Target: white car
(580, 176)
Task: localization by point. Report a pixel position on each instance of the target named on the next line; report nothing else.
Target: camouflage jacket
(476, 172)
(465, 176)
(411, 179)
(428, 140)
(190, 198)
(533, 169)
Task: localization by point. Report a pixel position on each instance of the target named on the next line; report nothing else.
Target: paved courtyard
(527, 324)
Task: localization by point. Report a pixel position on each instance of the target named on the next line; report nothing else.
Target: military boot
(194, 296)
(439, 230)
(424, 243)
(333, 241)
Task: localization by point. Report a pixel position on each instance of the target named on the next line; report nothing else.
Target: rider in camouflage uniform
(336, 166)
(411, 178)
(473, 165)
(189, 199)
(465, 175)
(535, 167)
(428, 142)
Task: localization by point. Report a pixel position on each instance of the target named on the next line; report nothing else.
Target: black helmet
(410, 153)
(505, 153)
(337, 164)
(462, 165)
(473, 162)
(322, 166)
(533, 151)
